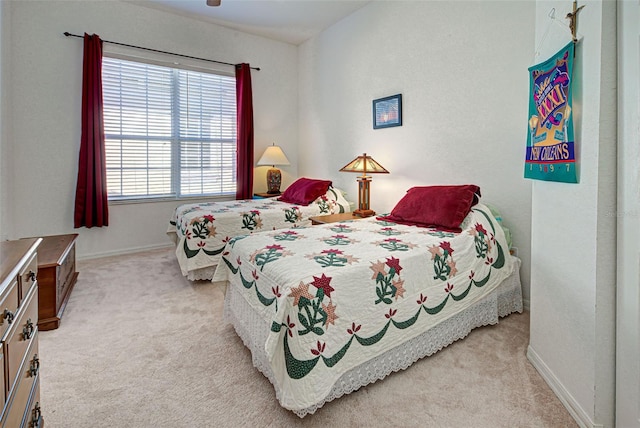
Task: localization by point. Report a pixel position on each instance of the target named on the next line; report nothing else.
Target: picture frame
(387, 112)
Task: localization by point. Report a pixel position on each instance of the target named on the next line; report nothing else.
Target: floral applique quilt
(202, 229)
(336, 295)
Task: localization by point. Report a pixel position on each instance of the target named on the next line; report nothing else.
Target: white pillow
(337, 195)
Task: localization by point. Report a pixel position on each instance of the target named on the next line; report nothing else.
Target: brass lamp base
(364, 213)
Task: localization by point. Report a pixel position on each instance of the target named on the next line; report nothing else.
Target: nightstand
(266, 195)
(333, 218)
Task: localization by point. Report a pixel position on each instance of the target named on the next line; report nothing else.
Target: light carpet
(140, 346)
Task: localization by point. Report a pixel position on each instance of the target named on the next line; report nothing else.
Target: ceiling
(291, 21)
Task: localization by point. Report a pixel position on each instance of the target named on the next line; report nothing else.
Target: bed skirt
(202, 274)
(253, 331)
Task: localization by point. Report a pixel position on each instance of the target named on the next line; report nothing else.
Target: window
(170, 133)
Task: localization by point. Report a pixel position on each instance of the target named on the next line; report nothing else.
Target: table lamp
(364, 164)
(273, 156)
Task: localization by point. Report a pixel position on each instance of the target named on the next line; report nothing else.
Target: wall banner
(550, 144)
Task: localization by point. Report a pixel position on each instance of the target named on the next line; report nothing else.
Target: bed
(201, 230)
(328, 309)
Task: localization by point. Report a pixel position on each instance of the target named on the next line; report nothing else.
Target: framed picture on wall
(387, 112)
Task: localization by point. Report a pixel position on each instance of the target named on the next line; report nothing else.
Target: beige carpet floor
(140, 346)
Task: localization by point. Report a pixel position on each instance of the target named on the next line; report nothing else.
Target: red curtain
(91, 207)
(244, 161)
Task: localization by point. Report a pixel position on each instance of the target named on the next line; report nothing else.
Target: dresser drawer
(19, 365)
(20, 335)
(27, 277)
(8, 307)
(34, 415)
(3, 393)
(17, 411)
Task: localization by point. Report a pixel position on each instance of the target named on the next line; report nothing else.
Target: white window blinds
(169, 132)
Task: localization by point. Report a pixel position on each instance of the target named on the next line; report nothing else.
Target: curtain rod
(68, 34)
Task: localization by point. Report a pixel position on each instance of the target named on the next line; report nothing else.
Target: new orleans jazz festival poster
(550, 141)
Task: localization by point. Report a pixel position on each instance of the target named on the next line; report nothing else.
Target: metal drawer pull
(35, 366)
(36, 421)
(8, 315)
(31, 276)
(27, 331)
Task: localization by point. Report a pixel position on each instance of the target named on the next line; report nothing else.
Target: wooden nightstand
(266, 195)
(333, 218)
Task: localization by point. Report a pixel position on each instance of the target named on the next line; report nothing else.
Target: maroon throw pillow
(303, 191)
(438, 206)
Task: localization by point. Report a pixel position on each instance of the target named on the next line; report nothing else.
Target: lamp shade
(364, 164)
(273, 156)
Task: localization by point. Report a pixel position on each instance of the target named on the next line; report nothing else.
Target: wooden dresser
(20, 363)
(56, 277)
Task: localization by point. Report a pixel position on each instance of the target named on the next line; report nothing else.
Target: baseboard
(576, 412)
(123, 252)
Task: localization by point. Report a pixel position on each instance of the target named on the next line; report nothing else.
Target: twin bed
(201, 230)
(328, 309)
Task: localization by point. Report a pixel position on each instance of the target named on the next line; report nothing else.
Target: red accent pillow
(303, 191)
(437, 206)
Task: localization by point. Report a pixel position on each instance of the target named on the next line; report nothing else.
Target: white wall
(628, 215)
(462, 70)
(5, 154)
(573, 246)
(45, 99)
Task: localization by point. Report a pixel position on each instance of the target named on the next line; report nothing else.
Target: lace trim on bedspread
(510, 292)
(202, 274)
(253, 332)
